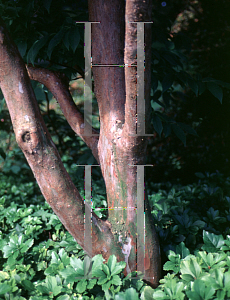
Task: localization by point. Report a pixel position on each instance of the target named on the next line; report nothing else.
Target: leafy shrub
(40, 260)
(202, 275)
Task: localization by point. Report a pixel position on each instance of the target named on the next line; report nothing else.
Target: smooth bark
(117, 150)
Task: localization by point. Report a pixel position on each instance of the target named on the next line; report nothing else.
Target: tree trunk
(117, 150)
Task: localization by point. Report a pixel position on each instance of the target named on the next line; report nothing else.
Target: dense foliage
(40, 259)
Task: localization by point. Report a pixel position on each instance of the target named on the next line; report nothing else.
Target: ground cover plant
(39, 259)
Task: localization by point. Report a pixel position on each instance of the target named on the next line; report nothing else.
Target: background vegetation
(188, 187)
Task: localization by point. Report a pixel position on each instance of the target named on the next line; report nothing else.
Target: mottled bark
(117, 151)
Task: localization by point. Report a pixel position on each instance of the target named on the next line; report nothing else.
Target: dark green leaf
(201, 87)
(212, 242)
(167, 129)
(187, 128)
(22, 47)
(154, 82)
(200, 175)
(55, 41)
(47, 4)
(2, 153)
(179, 133)
(66, 39)
(215, 90)
(157, 124)
(28, 285)
(192, 84)
(167, 82)
(33, 52)
(74, 38)
(43, 289)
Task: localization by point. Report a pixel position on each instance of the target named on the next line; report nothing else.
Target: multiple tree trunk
(114, 41)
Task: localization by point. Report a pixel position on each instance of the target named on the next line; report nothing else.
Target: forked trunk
(117, 150)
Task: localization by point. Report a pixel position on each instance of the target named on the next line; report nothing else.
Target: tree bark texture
(114, 41)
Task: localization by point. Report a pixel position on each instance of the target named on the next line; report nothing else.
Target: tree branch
(36, 143)
(57, 86)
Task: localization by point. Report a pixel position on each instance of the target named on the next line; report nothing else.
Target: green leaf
(129, 294)
(201, 87)
(147, 293)
(154, 82)
(167, 82)
(182, 250)
(191, 267)
(227, 281)
(28, 285)
(212, 261)
(215, 90)
(97, 263)
(212, 242)
(4, 288)
(174, 289)
(22, 47)
(63, 297)
(200, 291)
(66, 39)
(200, 175)
(116, 280)
(187, 128)
(28, 244)
(69, 274)
(218, 82)
(43, 289)
(179, 133)
(52, 286)
(81, 286)
(159, 295)
(33, 52)
(118, 268)
(55, 41)
(99, 273)
(2, 153)
(157, 124)
(112, 263)
(91, 283)
(192, 84)
(171, 266)
(76, 263)
(167, 129)
(106, 269)
(87, 265)
(47, 4)
(102, 280)
(74, 37)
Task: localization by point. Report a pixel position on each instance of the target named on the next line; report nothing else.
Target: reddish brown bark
(115, 90)
(117, 150)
